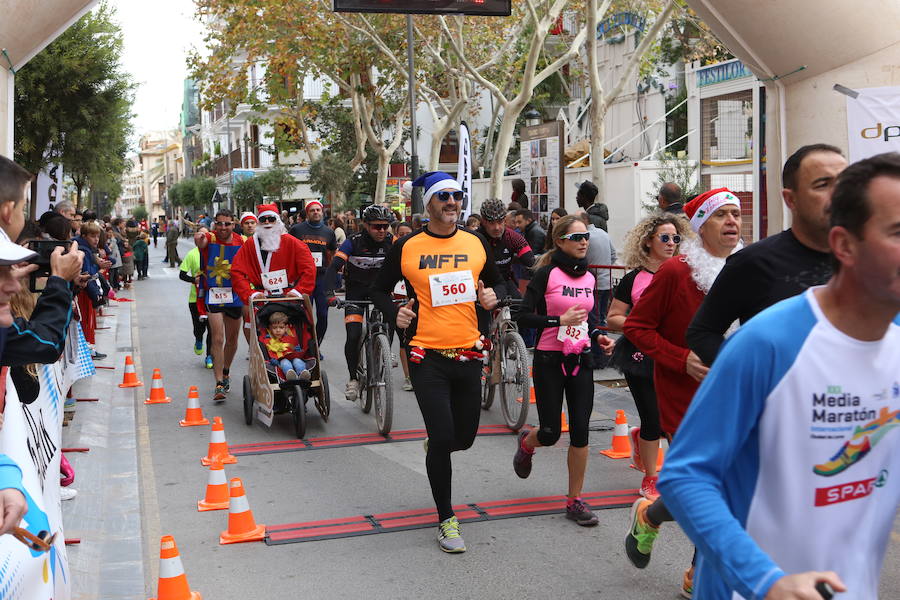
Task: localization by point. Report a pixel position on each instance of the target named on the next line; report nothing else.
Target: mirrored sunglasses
(665, 237)
(581, 236)
(268, 219)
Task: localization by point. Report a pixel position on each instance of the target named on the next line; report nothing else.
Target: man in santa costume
(272, 262)
(657, 325)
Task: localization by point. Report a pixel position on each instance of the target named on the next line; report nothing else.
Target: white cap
(12, 253)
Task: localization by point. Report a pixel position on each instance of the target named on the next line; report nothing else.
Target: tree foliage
(247, 193)
(277, 182)
(73, 104)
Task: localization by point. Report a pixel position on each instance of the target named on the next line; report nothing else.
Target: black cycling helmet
(377, 213)
(493, 210)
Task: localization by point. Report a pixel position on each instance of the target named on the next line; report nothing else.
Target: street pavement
(530, 557)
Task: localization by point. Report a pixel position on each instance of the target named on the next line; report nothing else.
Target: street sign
(490, 8)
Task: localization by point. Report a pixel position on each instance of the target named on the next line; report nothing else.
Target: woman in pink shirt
(647, 246)
(558, 303)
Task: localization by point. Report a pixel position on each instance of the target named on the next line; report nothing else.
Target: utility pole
(414, 158)
(230, 172)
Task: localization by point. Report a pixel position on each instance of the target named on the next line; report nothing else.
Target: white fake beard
(269, 236)
(704, 266)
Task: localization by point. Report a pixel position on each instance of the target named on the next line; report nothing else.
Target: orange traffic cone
(621, 445)
(531, 397)
(218, 447)
(241, 526)
(565, 422)
(193, 415)
(157, 391)
(216, 490)
(130, 379)
(173, 584)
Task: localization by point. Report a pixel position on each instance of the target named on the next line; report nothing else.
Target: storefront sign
(718, 73)
(620, 20)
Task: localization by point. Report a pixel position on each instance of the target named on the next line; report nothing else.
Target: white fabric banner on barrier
(873, 122)
(32, 437)
(49, 189)
(464, 170)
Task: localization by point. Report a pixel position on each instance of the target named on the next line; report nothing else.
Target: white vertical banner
(464, 170)
(873, 122)
(49, 188)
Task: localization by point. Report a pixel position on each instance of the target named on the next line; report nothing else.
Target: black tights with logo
(449, 396)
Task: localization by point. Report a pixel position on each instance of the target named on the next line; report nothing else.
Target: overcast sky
(158, 35)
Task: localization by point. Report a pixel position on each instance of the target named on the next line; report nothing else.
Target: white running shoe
(352, 390)
(67, 493)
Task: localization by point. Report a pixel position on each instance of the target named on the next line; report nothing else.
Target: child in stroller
(284, 349)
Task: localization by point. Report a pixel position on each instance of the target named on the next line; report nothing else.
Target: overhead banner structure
(489, 8)
(464, 170)
(32, 437)
(873, 122)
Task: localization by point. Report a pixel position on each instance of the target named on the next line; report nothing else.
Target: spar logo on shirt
(852, 490)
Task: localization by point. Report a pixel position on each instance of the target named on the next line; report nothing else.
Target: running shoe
(522, 458)
(577, 510)
(67, 493)
(291, 374)
(219, 396)
(648, 488)
(304, 375)
(687, 584)
(198, 347)
(98, 355)
(636, 449)
(352, 390)
(641, 535)
(209, 364)
(226, 383)
(407, 385)
(448, 536)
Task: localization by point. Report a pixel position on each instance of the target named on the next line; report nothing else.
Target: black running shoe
(522, 459)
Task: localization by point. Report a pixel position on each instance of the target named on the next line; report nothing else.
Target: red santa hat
(266, 210)
(310, 203)
(703, 206)
(247, 216)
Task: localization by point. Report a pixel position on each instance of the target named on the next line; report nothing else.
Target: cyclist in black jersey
(361, 256)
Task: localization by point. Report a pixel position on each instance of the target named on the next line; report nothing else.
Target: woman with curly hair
(652, 241)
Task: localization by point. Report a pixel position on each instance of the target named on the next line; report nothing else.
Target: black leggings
(644, 395)
(549, 386)
(199, 326)
(351, 347)
(449, 396)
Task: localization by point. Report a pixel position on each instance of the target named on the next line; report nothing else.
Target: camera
(44, 249)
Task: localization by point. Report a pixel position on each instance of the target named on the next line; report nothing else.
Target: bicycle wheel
(382, 388)
(363, 397)
(488, 388)
(514, 386)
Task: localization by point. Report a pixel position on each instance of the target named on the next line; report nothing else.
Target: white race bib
(572, 332)
(452, 288)
(275, 281)
(400, 288)
(317, 259)
(220, 295)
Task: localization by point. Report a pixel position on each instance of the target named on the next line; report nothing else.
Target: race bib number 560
(452, 288)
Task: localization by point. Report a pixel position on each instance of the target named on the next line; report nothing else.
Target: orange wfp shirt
(438, 270)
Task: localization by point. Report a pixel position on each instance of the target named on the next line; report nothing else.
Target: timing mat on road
(343, 441)
(330, 529)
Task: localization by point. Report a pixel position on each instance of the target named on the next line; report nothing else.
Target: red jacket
(657, 325)
(292, 255)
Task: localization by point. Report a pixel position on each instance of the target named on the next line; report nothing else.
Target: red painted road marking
(426, 517)
(344, 441)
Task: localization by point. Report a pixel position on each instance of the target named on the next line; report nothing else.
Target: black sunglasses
(268, 219)
(379, 226)
(224, 224)
(444, 196)
(665, 237)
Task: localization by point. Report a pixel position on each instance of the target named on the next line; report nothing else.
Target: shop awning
(27, 27)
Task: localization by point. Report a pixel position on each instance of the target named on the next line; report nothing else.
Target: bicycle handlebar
(510, 302)
(825, 590)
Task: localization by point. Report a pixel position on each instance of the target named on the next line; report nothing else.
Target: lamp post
(533, 117)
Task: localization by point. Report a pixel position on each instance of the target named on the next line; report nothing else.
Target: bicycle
(507, 367)
(374, 371)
